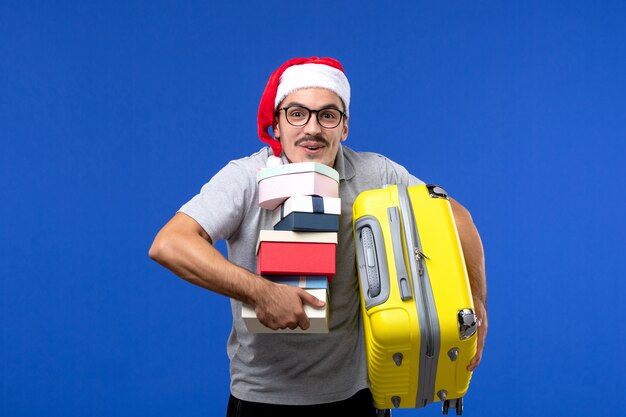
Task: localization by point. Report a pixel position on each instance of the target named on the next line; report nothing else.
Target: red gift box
(296, 253)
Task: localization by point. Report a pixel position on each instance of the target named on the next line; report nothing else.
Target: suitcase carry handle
(371, 264)
(371, 261)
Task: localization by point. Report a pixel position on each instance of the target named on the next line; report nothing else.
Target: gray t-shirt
(297, 369)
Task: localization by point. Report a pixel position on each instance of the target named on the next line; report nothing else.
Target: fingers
(481, 335)
(286, 309)
(304, 322)
(479, 354)
(276, 323)
(311, 300)
(300, 319)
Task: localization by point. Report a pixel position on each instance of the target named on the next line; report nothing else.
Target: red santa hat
(295, 74)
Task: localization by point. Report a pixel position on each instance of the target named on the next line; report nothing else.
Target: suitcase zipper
(426, 309)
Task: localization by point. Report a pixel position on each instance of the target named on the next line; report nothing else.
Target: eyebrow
(295, 103)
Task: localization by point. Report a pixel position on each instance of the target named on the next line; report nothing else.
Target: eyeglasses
(299, 116)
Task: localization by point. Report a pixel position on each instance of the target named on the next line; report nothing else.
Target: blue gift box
(308, 213)
(302, 281)
(309, 222)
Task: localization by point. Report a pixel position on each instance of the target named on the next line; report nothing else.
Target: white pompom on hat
(296, 74)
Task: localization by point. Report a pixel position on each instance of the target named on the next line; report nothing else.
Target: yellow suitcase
(418, 314)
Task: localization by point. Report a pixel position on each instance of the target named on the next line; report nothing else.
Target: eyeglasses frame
(317, 112)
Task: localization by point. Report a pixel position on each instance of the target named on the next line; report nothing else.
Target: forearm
(473, 252)
(475, 261)
(183, 247)
(193, 258)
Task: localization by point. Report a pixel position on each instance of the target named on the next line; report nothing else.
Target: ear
(344, 134)
(276, 128)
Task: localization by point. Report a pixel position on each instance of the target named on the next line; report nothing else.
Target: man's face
(311, 142)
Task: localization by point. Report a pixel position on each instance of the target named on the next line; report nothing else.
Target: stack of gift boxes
(301, 248)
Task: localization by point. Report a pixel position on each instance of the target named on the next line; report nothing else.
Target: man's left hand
(481, 316)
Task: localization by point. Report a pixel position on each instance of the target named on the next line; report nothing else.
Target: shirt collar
(343, 166)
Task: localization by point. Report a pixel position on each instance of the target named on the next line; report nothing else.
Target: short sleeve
(222, 203)
(394, 173)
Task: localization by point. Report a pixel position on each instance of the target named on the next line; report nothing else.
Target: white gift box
(318, 317)
(277, 184)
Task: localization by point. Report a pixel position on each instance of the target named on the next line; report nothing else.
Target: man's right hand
(281, 306)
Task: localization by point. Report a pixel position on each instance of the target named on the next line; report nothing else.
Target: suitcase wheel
(456, 403)
(383, 413)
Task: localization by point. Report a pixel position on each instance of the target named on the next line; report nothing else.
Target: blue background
(113, 114)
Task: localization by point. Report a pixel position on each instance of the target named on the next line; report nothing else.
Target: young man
(306, 102)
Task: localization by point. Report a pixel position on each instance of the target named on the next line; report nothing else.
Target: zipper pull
(420, 255)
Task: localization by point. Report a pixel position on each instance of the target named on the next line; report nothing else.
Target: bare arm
(475, 262)
(183, 247)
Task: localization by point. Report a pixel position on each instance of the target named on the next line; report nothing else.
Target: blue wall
(113, 114)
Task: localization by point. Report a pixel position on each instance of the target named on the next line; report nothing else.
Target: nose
(312, 127)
